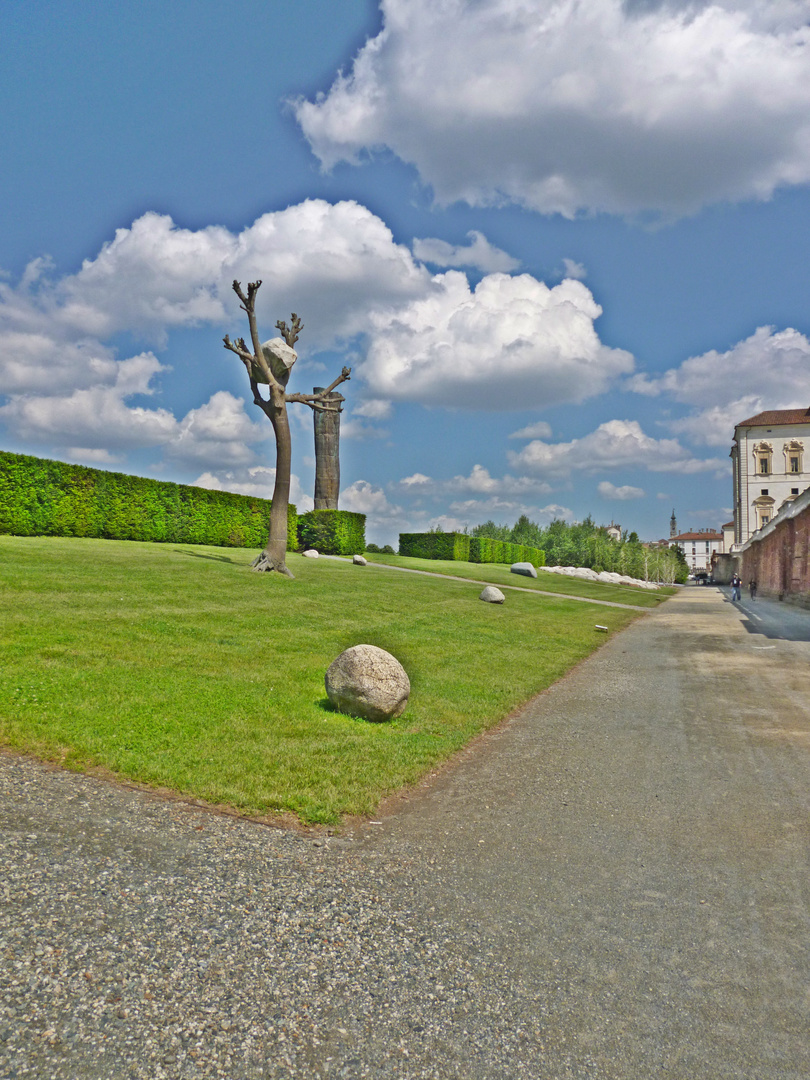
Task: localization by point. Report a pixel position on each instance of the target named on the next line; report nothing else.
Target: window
(794, 491)
(794, 452)
(763, 453)
(763, 491)
(763, 510)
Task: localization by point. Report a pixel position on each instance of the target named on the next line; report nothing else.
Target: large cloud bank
(562, 106)
(416, 336)
(768, 370)
(510, 343)
(616, 444)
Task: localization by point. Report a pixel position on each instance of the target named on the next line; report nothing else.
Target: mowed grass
(544, 582)
(177, 667)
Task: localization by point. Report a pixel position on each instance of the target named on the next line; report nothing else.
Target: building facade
(771, 466)
(778, 556)
(698, 548)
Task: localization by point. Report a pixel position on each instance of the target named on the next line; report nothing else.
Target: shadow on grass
(326, 705)
(199, 555)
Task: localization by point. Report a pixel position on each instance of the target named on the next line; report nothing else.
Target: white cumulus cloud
(332, 263)
(615, 444)
(97, 417)
(574, 269)
(539, 430)
(511, 343)
(479, 253)
(768, 370)
(361, 497)
(479, 481)
(384, 519)
(256, 480)
(621, 493)
(372, 409)
(472, 512)
(218, 432)
(561, 106)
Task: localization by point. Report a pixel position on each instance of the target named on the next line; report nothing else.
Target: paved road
(772, 618)
(613, 885)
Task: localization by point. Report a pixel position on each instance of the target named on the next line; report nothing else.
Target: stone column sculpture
(327, 450)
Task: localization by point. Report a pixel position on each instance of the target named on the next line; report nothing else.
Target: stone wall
(724, 567)
(778, 557)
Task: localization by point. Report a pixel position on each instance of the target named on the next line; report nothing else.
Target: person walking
(735, 587)
(752, 588)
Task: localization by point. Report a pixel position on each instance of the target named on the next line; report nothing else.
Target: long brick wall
(778, 557)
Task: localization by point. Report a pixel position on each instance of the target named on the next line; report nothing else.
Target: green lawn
(545, 582)
(177, 667)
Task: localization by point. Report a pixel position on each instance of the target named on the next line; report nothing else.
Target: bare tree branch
(310, 399)
(265, 406)
(249, 307)
(291, 335)
(241, 351)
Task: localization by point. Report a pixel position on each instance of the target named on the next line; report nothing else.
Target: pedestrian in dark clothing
(735, 587)
(752, 588)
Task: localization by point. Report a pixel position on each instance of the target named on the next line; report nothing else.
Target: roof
(777, 417)
(699, 536)
(728, 525)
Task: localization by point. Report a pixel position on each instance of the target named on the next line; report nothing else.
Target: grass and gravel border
(175, 667)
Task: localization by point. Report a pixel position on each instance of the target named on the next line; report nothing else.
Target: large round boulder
(369, 682)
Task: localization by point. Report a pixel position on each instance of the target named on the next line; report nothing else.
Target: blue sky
(562, 246)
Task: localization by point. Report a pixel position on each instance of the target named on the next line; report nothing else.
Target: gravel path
(613, 885)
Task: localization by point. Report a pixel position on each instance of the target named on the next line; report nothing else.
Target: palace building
(698, 548)
(769, 466)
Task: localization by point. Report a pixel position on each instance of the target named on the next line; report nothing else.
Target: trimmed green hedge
(39, 497)
(332, 532)
(442, 545)
(462, 548)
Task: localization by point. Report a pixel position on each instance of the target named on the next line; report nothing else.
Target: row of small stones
(529, 571)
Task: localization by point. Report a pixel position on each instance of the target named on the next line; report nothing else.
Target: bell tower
(673, 525)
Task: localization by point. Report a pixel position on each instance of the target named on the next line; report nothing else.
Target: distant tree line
(585, 544)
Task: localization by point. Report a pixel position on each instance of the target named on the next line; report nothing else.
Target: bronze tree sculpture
(270, 365)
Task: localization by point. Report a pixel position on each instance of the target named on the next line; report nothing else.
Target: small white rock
(311, 554)
(492, 595)
(358, 560)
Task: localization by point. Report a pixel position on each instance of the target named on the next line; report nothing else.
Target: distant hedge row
(459, 547)
(39, 497)
(485, 550)
(443, 545)
(332, 532)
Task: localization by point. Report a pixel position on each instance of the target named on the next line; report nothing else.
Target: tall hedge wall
(462, 548)
(332, 532)
(443, 545)
(39, 497)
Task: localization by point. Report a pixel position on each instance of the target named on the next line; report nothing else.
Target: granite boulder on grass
(369, 682)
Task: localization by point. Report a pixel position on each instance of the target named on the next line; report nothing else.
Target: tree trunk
(327, 450)
(273, 557)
